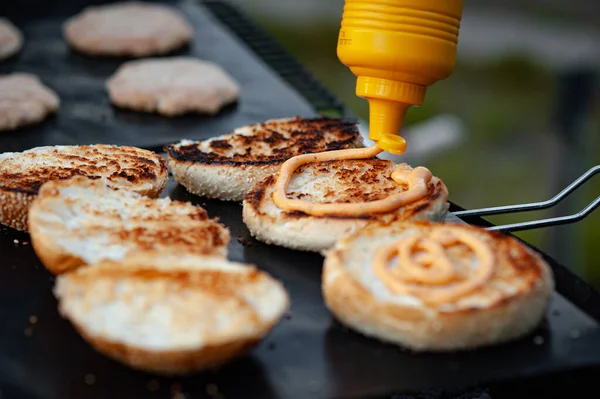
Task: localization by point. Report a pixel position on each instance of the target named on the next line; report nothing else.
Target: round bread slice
(334, 182)
(172, 86)
(171, 313)
(24, 100)
(82, 221)
(23, 173)
(510, 304)
(226, 167)
(134, 29)
(11, 39)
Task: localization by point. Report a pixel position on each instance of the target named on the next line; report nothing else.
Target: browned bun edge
(172, 362)
(14, 207)
(54, 261)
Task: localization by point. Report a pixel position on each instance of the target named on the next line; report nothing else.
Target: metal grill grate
(276, 57)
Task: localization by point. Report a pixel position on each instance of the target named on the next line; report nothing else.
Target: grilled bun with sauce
(23, 173)
(171, 313)
(436, 287)
(335, 182)
(226, 167)
(82, 221)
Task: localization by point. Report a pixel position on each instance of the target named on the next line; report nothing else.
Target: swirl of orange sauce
(417, 180)
(424, 269)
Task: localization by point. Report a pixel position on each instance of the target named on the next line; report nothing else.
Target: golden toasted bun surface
(334, 182)
(510, 304)
(121, 167)
(82, 221)
(171, 313)
(23, 173)
(226, 167)
(271, 142)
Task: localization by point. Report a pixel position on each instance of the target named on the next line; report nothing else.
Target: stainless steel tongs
(534, 224)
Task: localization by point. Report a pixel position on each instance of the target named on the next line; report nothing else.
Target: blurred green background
(524, 69)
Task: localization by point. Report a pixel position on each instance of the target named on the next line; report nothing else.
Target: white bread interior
(171, 313)
(82, 221)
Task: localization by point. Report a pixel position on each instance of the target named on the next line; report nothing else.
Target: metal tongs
(534, 224)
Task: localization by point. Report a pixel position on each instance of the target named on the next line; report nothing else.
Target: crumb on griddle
(176, 391)
(212, 389)
(28, 331)
(16, 241)
(244, 242)
(33, 319)
(90, 379)
(538, 340)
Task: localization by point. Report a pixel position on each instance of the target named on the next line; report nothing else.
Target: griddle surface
(308, 354)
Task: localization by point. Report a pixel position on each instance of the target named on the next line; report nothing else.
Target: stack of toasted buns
(144, 280)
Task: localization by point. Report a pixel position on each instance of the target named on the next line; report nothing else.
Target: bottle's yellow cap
(391, 90)
(388, 102)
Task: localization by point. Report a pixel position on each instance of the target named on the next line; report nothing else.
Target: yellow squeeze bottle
(397, 48)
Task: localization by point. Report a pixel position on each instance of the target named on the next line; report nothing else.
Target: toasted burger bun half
(226, 167)
(171, 313)
(509, 305)
(23, 173)
(82, 221)
(334, 182)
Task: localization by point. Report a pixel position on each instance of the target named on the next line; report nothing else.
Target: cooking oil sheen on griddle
(397, 48)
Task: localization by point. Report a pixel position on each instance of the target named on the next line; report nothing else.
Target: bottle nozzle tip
(385, 121)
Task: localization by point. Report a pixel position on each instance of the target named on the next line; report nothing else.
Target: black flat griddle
(309, 354)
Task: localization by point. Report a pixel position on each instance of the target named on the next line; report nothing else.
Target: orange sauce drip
(417, 180)
(423, 268)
